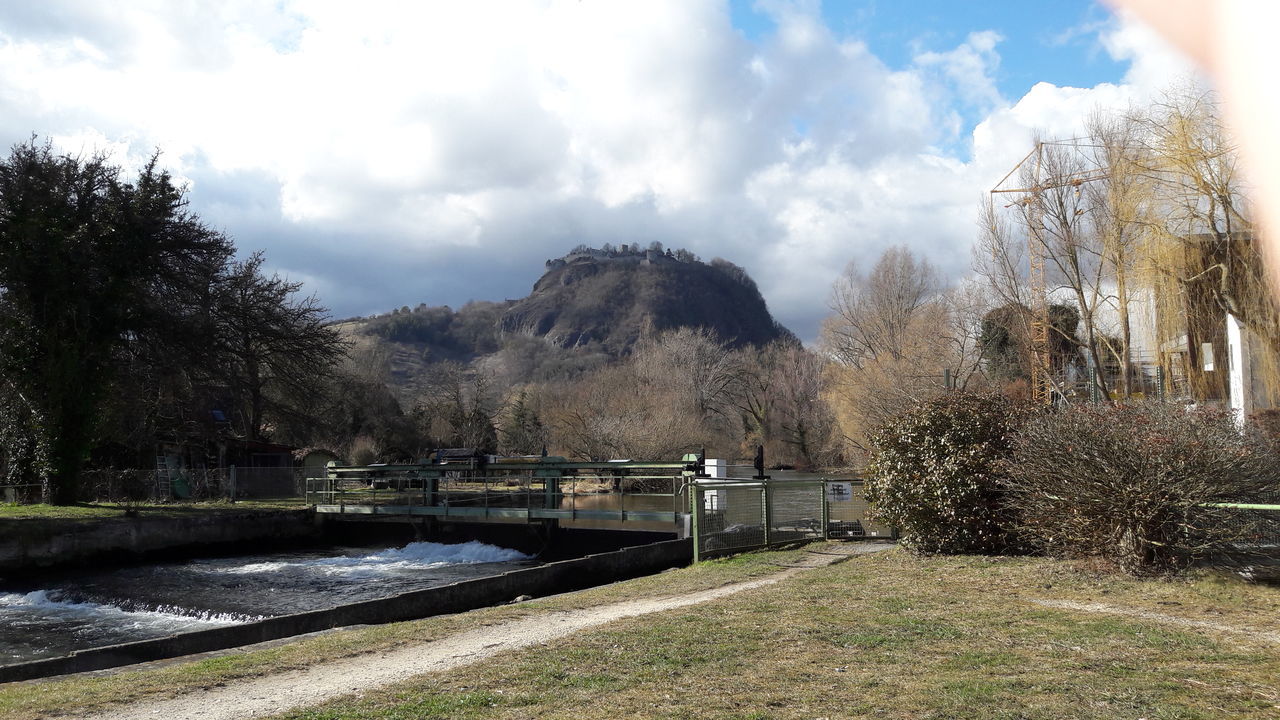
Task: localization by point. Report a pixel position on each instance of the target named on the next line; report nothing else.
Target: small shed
(313, 461)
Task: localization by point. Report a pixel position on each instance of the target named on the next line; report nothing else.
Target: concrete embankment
(29, 545)
(546, 579)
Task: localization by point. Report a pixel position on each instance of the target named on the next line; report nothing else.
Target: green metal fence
(729, 515)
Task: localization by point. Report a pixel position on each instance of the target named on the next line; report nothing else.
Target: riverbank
(886, 635)
(109, 510)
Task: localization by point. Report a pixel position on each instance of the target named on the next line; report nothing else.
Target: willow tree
(1200, 237)
(1118, 199)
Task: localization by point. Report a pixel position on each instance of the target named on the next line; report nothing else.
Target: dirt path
(1253, 633)
(366, 673)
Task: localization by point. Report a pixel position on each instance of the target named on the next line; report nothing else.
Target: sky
(395, 153)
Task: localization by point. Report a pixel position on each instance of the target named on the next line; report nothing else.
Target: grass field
(881, 636)
(891, 636)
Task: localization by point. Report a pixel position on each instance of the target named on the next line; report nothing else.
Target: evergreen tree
(91, 267)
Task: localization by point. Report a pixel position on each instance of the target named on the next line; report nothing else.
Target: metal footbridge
(480, 489)
(692, 497)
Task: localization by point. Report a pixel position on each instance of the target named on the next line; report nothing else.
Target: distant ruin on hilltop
(651, 255)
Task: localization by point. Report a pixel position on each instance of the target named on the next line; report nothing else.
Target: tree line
(122, 314)
(678, 391)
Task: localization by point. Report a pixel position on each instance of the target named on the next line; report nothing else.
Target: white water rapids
(94, 608)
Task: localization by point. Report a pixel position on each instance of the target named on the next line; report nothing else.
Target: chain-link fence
(735, 515)
(131, 485)
(848, 513)
(730, 517)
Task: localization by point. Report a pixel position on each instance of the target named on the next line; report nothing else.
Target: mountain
(590, 306)
(613, 298)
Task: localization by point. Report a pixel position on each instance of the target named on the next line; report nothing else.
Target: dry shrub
(1138, 486)
(364, 450)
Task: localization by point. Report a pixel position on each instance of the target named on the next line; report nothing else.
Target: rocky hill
(594, 303)
(614, 298)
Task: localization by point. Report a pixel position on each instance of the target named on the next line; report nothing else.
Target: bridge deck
(504, 513)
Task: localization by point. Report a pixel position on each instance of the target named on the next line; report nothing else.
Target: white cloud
(970, 68)
(392, 153)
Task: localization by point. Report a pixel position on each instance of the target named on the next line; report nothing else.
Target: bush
(935, 474)
(1135, 485)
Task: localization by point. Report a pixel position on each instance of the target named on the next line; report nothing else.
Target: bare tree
(613, 414)
(459, 408)
(692, 362)
(805, 422)
(1118, 199)
(874, 313)
(277, 349)
(893, 336)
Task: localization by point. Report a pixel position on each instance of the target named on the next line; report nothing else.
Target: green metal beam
(503, 513)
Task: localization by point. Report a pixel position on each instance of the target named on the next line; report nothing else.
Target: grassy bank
(886, 636)
(890, 636)
(108, 511)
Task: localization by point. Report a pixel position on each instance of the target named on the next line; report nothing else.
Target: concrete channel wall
(28, 545)
(543, 580)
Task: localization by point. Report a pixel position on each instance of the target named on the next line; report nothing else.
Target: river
(96, 608)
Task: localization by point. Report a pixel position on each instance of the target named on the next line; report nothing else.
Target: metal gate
(729, 516)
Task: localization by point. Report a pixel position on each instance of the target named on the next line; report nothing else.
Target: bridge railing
(648, 495)
(723, 514)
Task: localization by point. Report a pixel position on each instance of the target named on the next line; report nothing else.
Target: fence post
(768, 514)
(232, 483)
(695, 520)
(430, 488)
(550, 486)
(826, 512)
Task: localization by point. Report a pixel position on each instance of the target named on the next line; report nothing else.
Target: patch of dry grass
(886, 636)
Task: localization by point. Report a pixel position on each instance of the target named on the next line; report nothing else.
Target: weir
(554, 511)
